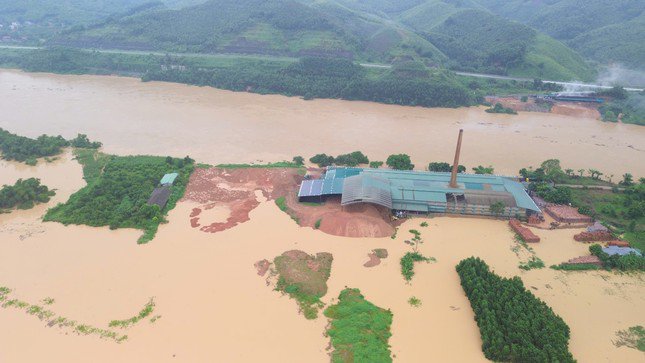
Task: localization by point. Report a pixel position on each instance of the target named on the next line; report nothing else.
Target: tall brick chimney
(455, 165)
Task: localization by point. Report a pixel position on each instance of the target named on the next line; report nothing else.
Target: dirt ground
(576, 110)
(231, 192)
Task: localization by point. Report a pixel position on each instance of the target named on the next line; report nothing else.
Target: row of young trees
(24, 149)
(24, 194)
(514, 325)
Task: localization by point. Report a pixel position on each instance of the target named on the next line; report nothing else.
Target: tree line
(24, 149)
(514, 325)
(24, 194)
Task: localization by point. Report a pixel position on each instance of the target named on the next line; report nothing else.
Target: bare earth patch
(375, 257)
(233, 190)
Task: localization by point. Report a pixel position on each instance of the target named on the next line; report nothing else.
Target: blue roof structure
(622, 251)
(417, 190)
(168, 178)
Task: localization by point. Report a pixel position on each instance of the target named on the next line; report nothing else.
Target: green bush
(407, 263)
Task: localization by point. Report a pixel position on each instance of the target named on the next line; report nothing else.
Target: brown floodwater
(216, 126)
(212, 303)
(214, 306)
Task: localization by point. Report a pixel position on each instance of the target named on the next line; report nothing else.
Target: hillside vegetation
(607, 31)
(464, 36)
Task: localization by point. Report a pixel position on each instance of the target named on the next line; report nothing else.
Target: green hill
(460, 35)
(606, 31)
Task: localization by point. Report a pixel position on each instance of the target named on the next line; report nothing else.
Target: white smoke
(618, 75)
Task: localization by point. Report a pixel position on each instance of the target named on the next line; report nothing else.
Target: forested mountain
(460, 35)
(30, 19)
(605, 30)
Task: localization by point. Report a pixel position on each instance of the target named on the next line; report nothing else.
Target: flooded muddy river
(216, 126)
(212, 304)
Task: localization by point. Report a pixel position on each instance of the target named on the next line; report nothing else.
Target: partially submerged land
(189, 274)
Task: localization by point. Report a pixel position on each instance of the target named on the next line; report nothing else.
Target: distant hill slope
(605, 30)
(466, 36)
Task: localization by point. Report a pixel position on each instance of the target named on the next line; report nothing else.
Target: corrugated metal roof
(415, 187)
(168, 178)
(622, 251)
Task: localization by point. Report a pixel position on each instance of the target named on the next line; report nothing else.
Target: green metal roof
(417, 190)
(168, 178)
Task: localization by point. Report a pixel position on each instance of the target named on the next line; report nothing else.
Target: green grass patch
(424, 224)
(533, 263)
(407, 263)
(144, 313)
(304, 278)
(575, 267)
(633, 337)
(359, 330)
(415, 302)
(92, 161)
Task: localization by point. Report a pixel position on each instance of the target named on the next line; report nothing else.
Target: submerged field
(212, 305)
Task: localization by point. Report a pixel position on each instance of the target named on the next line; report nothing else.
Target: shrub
(407, 263)
(399, 162)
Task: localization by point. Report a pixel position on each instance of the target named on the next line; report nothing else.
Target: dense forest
(458, 35)
(118, 196)
(359, 330)
(24, 194)
(330, 78)
(24, 149)
(514, 325)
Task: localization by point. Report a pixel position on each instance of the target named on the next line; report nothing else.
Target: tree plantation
(514, 325)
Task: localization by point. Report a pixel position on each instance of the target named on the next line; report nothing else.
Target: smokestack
(455, 165)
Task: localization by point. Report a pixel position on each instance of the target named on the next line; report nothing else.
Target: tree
(298, 160)
(322, 160)
(581, 172)
(376, 164)
(484, 169)
(399, 162)
(444, 167)
(553, 170)
(628, 180)
(595, 174)
(569, 172)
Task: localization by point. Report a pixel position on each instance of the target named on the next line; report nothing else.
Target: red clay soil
(374, 260)
(364, 220)
(526, 234)
(584, 260)
(618, 243)
(576, 109)
(235, 189)
(566, 214)
(594, 236)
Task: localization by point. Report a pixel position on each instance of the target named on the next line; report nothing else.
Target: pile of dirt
(309, 273)
(235, 190)
(360, 220)
(375, 257)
